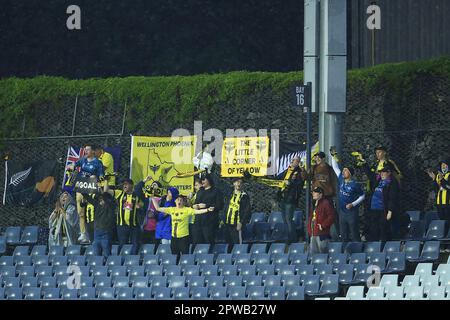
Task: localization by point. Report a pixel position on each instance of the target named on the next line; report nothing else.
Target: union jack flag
(73, 155)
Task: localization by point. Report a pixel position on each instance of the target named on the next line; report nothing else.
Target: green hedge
(192, 95)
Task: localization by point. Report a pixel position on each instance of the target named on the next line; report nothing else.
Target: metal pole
(308, 157)
(123, 119)
(74, 116)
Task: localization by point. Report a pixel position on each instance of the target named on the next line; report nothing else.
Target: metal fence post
(74, 116)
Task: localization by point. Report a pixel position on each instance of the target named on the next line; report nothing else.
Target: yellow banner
(163, 158)
(245, 153)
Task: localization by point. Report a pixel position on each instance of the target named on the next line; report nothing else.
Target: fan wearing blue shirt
(351, 195)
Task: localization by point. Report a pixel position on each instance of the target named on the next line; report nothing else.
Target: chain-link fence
(414, 128)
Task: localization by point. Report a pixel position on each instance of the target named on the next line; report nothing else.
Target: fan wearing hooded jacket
(163, 232)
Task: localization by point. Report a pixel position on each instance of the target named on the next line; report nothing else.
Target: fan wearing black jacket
(237, 213)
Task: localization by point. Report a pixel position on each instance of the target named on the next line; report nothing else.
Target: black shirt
(105, 217)
(212, 198)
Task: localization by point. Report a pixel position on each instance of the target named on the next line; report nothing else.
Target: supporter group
(124, 212)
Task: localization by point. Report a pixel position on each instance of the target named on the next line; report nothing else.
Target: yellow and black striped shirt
(127, 211)
(234, 208)
(443, 195)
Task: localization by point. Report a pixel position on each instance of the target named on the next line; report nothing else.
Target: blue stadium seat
(115, 250)
(319, 258)
(276, 292)
(228, 270)
(12, 235)
(430, 252)
(121, 282)
(167, 259)
(436, 230)
(182, 293)
(6, 261)
(396, 262)
(126, 250)
(176, 281)
(416, 230)
(258, 248)
(101, 281)
(257, 217)
(61, 281)
(86, 282)
(265, 269)
(2, 245)
(76, 260)
(429, 217)
(143, 281)
(73, 250)
(323, 269)
(279, 232)
(13, 293)
(11, 282)
(209, 270)
(335, 247)
(150, 259)
(354, 247)
(153, 270)
(252, 280)
(204, 258)
(161, 293)
(135, 270)
(39, 250)
(163, 249)
(99, 271)
(38, 260)
(330, 285)
(87, 293)
(198, 293)
(262, 231)
(298, 247)
(131, 260)
(186, 259)
(279, 258)
(114, 261)
(338, 258)
(202, 248)
(296, 293)
(414, 215)
(51, 293)
(106, 293)
(412, 250)
(372, 247)
(236, 293)
(22, 261)
(271, 280)
(345, 272)
(124, 293)
(31, 293)
(284, 269)
(147, 248)
(220, 248)
(255, 292)
(377, 259)
(392, 246)
(195, 281)
(56, 250)
(358, 258)
(214, 281)
(142, 293)
(239, 249)
(304, 269)
(117, 270)
(277, 248)
(47, 282)
(243, 258)
(224, 259)
(232, 281)
(158, 281)
(275, 217)
(60, 271)
(246, 270)
(8, 271)
(30, 235)
(361, 274)
(90, 251)
(260, 258)
(58, 260)
(291, 280)
(43, 270)
(218, 293)
(21, 251)
(25, 271)
(298, 258)
(95, 261)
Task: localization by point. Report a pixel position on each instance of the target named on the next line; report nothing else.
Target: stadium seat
(355, 293)
(375, 293)
(117, 270)
(389, 280)
(284, 269)
(360, 274)
(279, 232)
(6, 261)
(2, 245)
(436, 230)
(202, 248)
(182, 293)
(73, 250)
(298, 258)
(228, 270)
(260, 258)
(8, 271)
(114, 261)
(214, 281)
(232, 281)
(437, 293)
(392, 246)
(121, 282)
(279, 258)
(86, 282)
(261, 232)
(257, 217)
(243, 258)
(161, 293)
(12, 235)
(252, 280)
(354, 247)
(99, 271)
(218, 293)
(76, 260)
(58, 260)
(378, 259)
(146, 248)
(142, 293)
(126, 249)
(106, 293)
(424, 269)
(329, 286)
(13, 293)
(87, 293)
(338, 258)
(430, 252)
(135, 270)
(102, 282)
(276, 292)
(258, 248)
(90, 251)
(51, 293)
(124, 293)
(265, 269)
(150, 259)
(204, 258)
(414, 293)
(163, 249)
(411, 281)
(153, 270)
(311, 283)
(275, 217)
(255, 292)
(224, 259)
(167, 259)
(396, 262)
(372, 247)
(47, 282)
(416, 230)
(412, 250)
(319, 258)
(271, 280)
(22, 261)
(345, 272)
(176, 281)
(43, 270)
(304, 270)
(31, 293)
(21, 251)
(236, 293)
(29, 235)
(190, 270)
(335, 247)
(291, 280)
(209, 270)
(131, 260)
(198, 293)
(278, 248)
(413, 215)
(11, 282)
(94, 261)
(428, 282)
(158, 281)
(56, 250)
(220, 248)
(443, 269)
(143, 282)
(40, 260)
(323, 269)
(296, 293)
(186, 259)
(239, 249)
(195, 281)
(358, 258)
(246, 270)
(61, 281)
(25, 271)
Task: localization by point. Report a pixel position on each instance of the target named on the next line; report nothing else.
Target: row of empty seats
(18, 236)
(398, 293)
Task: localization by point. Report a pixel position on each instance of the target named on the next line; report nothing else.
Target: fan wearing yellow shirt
(108, 165)
(180, 223)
